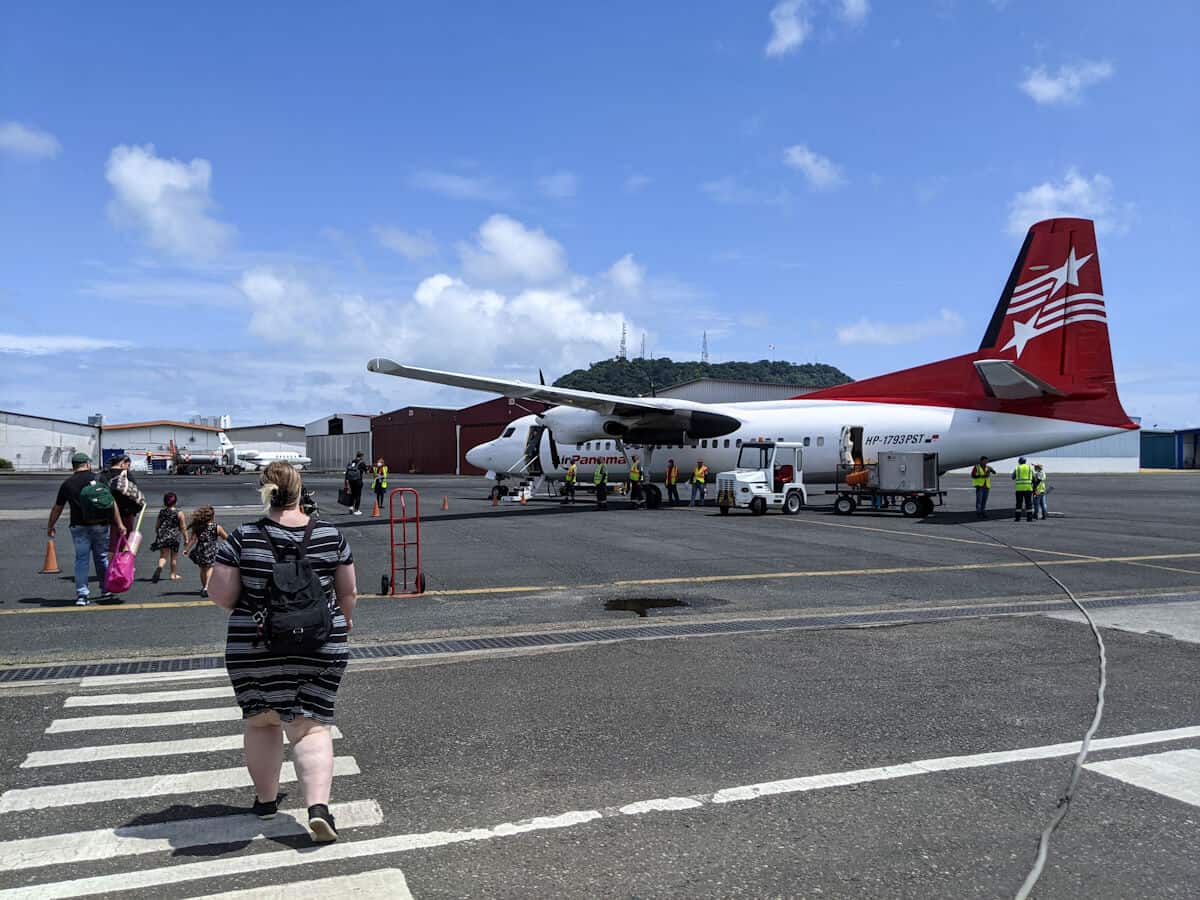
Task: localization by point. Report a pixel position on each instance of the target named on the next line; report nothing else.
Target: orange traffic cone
(445, 503)
(375, 511)
(522, 498)
(50, 566)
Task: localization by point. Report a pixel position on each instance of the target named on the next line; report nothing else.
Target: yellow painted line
(683, 579)
(96, 607)
(937, 537)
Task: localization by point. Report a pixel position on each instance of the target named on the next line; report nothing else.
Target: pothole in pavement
(642, 605)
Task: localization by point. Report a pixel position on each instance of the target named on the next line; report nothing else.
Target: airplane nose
(479, 457)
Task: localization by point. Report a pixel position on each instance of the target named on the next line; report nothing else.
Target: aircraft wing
(605, 404)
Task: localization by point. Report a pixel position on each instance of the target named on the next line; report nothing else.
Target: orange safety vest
(672, 474)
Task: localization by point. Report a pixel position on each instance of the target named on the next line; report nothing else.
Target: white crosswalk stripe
(142, 750)
(95, 681)
(179, 771)
(155, 697)
(178, 834)
(387, 884)
(145, 720)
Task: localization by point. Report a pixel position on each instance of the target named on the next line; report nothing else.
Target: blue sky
(223, 209)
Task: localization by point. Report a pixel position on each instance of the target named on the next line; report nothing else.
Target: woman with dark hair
(285, 692)
(380, 484)
(168, 536)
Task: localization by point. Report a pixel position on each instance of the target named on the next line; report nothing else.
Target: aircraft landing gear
(653, 496)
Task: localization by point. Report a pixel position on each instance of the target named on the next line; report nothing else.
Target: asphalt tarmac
(785, 762)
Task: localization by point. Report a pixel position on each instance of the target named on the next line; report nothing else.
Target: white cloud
(789, 27)
(560, 185)
(411, 245)
(635, 182)
(1075, 196)
(507, 250)
(627, 275)
(730, 190)
(27, 141)
(166, 199)
(867, 331)
(1067, 84)
(855, 10)
(822, 174)
(459, 187)
(47, 344)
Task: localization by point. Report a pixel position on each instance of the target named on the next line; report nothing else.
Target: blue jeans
(91, 539)
(697, 491)
(1039, 505)
(981, 495)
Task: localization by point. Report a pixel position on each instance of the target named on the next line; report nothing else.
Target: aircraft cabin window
(739, 442)
(726, 443)
(608, 445)
(820, 442)
(807, 441)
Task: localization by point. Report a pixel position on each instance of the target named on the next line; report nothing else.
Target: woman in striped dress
(282, 693)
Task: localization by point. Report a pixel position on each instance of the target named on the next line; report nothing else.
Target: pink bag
(120, 570)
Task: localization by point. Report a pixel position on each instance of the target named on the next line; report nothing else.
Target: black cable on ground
(1064, 803)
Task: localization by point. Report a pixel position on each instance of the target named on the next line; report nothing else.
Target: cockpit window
(509, 432)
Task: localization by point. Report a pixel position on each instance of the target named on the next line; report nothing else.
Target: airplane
(239, 458)
(1041, 378)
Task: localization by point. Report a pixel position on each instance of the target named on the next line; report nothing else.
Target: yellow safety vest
(381, 477)
(571, 473)
(600, 476)
(1041, 485)
(1023, 476)
(700, 474)
(635, 472)
(979, 476)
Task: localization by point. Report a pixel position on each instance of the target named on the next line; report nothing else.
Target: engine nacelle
(574, 426)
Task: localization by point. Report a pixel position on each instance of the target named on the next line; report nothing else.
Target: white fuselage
(958, 436)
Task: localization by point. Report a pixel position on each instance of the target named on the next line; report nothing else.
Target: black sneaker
(265, 809)
(320, 820)
(203, 592)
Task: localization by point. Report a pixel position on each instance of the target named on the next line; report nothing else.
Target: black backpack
(354, 472)
(295, 618)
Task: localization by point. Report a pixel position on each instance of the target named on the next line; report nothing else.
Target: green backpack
(96, 501)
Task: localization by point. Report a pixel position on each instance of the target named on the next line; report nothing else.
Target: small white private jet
(1041, 378)
(240, 458)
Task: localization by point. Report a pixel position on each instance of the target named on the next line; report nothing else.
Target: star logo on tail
(1036, 297)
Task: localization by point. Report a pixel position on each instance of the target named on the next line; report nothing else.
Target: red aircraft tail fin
(1046, 350)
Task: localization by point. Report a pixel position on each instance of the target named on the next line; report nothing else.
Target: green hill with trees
(638, 377)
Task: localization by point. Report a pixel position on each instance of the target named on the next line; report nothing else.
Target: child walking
(168, 536)
(203, 535)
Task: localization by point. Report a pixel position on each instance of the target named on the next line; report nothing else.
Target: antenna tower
(643, 356)
(704, 349)
(622, 353)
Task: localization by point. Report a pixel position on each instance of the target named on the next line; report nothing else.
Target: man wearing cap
(90, 520)
(1023, 483)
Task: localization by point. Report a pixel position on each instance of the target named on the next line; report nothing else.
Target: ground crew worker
(1039, 491)
(672, 482)
(699, 477)
(636, 495)
(1023, 482)
(380, 485)
(569, 483)
(981, 478)
(600, 480)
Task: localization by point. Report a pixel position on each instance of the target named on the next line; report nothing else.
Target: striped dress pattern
(291, 685)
